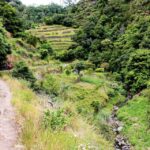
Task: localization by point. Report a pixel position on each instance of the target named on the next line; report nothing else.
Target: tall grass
(29, 115)
(35, 137)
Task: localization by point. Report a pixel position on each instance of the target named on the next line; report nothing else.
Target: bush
(50, 85)
(137, 73)
(67, 72)
(59, 19)
(45, 50)
(55, 19)
(56, 120)
(43, 53)
(32, 40)
(11, 19)
(68, 21)
(100, 70)
(65, 56)
(22, 71)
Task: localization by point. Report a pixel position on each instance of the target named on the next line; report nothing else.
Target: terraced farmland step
(59, 36)
(60, 40)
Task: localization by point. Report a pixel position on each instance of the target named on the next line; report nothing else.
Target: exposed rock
(121, 143)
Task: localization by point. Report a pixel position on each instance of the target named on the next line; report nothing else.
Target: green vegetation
(38, 14)
(73, 66)
(137, 72)
(112, 36)
(10, 18)
(22, 71)
(60, 20)
(134, 116)
(58, 36)
(5, 48)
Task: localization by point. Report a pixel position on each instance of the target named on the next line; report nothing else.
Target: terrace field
(59, 36)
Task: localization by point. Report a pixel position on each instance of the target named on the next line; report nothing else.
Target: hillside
(79, 76)
(60, 37)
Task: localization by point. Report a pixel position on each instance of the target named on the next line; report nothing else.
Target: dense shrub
(22, 71)
(5, 48)
(65, 56)
(45, 50)
(137, 73)
(68, 21)
(60, 19)
(55, 120)
(50, 85)
(112, 34)
(11, 19)
(30, 39)
(38, 14)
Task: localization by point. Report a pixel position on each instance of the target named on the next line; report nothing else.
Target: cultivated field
(59, 36)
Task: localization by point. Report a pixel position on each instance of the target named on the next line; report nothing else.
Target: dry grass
(34, 137)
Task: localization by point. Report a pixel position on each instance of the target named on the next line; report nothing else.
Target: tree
(137, 72)
(70, 2)
(42, 13)
(11, 19)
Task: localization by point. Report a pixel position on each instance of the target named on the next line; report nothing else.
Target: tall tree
(70, 2)
(11, 19)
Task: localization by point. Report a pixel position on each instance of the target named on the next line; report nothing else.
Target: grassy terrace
(59, 36)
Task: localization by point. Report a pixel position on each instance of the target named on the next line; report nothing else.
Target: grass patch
(92, 80)
(136, 124)
(33, 136)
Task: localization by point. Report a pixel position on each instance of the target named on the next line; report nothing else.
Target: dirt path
(8, 127)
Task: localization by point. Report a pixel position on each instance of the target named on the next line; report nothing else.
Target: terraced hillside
(59, 36)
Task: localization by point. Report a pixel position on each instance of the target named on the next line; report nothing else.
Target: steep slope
(113, 34)
(111, 44)
(36, 115)
(60, 37)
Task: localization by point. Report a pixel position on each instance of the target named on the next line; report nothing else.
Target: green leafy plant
(55, 120)
(137, 73)
(50, 85)
(5, 48)
(22, 71)
(45, 50)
